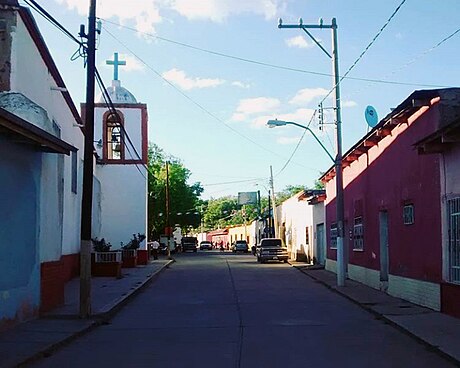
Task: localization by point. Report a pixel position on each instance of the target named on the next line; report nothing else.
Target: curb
(96, 320)
(122, 301)
(427, 344)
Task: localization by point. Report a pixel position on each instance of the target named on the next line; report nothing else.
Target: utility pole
(275, 215)
(168, 224)
(269, 215)
(341, 257)
(87, 192)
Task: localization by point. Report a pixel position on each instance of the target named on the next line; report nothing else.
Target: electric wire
(197, 104)
(297, 146)
(365, 49)
(418, 57)
(265, 64)
(109, 104)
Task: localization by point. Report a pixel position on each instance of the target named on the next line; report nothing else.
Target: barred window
(358, 234)
(408, 214)
(333, 236)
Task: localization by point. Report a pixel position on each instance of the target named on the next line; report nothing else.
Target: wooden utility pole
(87, 192)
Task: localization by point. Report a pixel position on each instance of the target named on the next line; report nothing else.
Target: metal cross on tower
(115, 62)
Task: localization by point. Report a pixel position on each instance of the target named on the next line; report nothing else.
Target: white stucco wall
(297, 216)
(123, 202)
(62, 236)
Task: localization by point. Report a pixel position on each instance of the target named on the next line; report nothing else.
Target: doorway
(320, 244)
(384, 264)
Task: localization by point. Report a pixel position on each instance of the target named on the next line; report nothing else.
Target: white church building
(41, 166)
(121, 175)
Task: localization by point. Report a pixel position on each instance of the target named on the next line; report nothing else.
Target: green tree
(288, 192)
(184, 198)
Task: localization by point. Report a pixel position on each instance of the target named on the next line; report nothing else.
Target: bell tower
(120, 190)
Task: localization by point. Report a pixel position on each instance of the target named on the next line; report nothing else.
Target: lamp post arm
(314, 135)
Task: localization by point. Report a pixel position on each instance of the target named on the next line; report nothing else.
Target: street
(213, 309)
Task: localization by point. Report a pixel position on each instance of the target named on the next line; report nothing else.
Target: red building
(393, 211)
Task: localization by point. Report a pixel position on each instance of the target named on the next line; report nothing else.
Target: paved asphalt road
(223, 310)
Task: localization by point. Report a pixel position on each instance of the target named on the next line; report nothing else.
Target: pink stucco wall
(387, 177)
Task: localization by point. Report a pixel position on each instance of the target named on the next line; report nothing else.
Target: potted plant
(104, 262)
(130, 250)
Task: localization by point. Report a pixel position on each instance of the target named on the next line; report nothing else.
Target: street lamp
(340, 259)
(276, 123)
(338, 122)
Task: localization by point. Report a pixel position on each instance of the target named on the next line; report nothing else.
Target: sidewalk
(39, 337)
(438, 331)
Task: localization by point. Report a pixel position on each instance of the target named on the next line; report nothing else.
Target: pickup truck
(271, 249)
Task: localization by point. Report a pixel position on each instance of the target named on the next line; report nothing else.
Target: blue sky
(212, 110)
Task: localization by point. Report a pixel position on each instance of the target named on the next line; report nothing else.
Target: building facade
(393, 212)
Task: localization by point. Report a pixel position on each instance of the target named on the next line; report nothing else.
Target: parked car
(205, 245)
(240, 246)
(271, 249)
(189, 243)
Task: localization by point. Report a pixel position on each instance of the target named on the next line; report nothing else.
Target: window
(408, 214)
(333, 237)
(358, 234)
(114, 137)
(74, 172)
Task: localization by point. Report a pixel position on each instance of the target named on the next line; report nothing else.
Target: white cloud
(241, 84)
(219, 10)
(299, 42)
(399, 36)
(248, 107)
(306, 95)
(145, 13)
(288, 140)
(349, 103)
(179, 78)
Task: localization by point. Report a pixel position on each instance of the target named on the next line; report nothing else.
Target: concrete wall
(24, 51)
(415, 251)
(19, 218)
(123, 202)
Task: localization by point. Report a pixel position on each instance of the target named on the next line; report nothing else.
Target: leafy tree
(288, 192)
(184, 198)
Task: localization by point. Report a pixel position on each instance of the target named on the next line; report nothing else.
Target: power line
(39, 9)
(232, 182)
(265, 64)
(201, 107)
(297, 146)
(109, 104)
(365, 49)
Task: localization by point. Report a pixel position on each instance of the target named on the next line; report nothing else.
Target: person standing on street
(155, 246)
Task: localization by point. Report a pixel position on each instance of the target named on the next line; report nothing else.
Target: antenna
(371, 116)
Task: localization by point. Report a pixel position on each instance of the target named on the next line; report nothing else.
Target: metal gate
(453, 212)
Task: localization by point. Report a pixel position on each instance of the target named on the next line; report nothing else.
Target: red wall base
(53, 276)
(142, 256)
(450, 299)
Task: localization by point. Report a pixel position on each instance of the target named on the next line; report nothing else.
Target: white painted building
(301, 217)
(121, 165)
(41, 165)
(41, 150)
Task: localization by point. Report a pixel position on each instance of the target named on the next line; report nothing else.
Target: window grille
(333, 236)
(358, 234)
(408, 214)
(453, 210)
